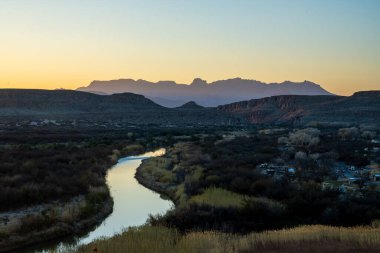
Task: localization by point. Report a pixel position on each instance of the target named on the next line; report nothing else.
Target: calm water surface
(132, 204)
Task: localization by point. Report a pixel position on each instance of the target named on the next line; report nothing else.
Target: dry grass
(143, 239)
(315, 238)
(219, 197)
(302, 239)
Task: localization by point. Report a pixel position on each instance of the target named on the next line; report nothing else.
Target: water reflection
(132, 204)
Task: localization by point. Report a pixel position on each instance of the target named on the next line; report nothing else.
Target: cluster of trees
(351, 149)
(354, 133)
(315, 151)
(36, 174)
(38, 166)
(307, 205)
(232, 166)
(41, 166)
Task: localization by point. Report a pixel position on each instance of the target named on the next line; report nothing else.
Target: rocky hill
(128, 108)
(33, 102)
(362, 107)
(171, 94)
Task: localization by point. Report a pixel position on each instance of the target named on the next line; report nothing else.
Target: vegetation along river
(132, 205)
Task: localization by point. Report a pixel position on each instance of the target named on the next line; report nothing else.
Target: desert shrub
(192, 185)
(94, 200)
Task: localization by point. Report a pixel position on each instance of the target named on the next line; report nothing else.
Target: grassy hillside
(316, 238)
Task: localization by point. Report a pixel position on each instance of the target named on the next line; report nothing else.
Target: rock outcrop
(362, 107)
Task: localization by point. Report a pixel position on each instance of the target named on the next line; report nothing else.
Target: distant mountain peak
(167, 82)
(191, 105)
(198, 82)
(305, 82)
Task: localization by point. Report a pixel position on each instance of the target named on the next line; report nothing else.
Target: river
(132, 205)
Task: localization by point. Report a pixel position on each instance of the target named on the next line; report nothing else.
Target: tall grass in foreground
(315, 238)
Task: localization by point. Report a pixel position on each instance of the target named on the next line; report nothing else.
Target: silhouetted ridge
(370, 93)
(117, 109)
(171, 94)
(67, 101)
(191, 105)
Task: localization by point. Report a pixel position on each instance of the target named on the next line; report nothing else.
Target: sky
(49, 44)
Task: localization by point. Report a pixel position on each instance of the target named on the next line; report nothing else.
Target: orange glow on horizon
(68, 44)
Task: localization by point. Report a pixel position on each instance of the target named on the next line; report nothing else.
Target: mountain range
(171, 94)
(129, 108)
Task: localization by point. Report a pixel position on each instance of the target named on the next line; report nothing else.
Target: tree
(369, 135)
(348, 133)
(305, 138)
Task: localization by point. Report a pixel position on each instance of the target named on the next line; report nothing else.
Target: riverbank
(81, 199)
(54, 231)
(165, 174)
(120, 182)
(150, 183)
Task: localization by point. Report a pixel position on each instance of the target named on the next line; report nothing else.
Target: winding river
(132, 205)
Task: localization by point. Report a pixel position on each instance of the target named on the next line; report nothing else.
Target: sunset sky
(68, 43)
